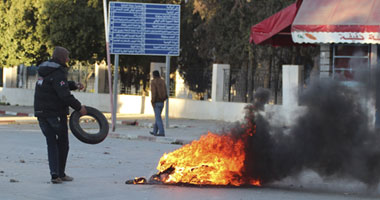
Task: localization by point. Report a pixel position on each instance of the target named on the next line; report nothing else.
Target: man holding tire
(52, 99)
(159, 95)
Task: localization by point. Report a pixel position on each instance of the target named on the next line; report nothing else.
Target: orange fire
(211, 160)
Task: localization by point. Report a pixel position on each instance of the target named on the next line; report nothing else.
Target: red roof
(338, 16)
(275, 30)
(327, 21)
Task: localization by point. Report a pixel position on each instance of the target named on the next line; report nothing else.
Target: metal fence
(236, 84)
(235, 87)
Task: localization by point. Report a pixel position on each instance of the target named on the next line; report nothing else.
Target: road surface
(100, 172)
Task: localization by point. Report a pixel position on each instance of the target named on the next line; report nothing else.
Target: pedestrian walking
(159, 96)
(52, 99)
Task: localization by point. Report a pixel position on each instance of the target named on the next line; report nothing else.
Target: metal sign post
(115, 81)
(109, 62)
(145, 29)
(167, 90)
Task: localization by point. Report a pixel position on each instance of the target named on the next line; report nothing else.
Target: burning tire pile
(213, 160)
(331, 138)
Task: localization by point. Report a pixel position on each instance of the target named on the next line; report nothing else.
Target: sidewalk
(180, 131)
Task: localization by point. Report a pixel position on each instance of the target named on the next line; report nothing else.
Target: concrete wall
(227, 111)
(292, 82)
(17, 96)
(130, 104)
(10, 77)
(218, 85)
(181, 89)
(217, 109)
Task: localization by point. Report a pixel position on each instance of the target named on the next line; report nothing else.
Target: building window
(348, 60)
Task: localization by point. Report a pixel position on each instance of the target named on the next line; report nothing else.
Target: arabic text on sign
(147, 28)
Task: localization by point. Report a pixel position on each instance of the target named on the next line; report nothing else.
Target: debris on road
(131, 123)
(13, 180)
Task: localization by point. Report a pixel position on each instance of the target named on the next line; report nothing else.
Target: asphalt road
(100, 172)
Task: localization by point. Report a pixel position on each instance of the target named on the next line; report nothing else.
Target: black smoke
(333, 137)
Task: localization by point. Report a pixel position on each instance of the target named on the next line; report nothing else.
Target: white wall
(292, 81)
(186, 108)
(178, 108)
(218, 81)
(131, 104)
(17, 96)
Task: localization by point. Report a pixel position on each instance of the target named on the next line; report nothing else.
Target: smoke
(333, 137)
(261, 97)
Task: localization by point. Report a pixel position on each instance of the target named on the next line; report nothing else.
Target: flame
(211, 160)
(139, 180)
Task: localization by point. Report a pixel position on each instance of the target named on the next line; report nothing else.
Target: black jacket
(52, 96)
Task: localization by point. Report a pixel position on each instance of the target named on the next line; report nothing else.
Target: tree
(32, 28)
(193, 67)
(3, 27)
(20, 41)
(77, 25)
(225, 35)
(212, 31)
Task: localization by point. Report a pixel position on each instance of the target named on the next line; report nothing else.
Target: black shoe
(161, 135)
(56, 180)
(152, 133)
(67, 178)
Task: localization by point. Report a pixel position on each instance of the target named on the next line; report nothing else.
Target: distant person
(52, 99)
(159, 95)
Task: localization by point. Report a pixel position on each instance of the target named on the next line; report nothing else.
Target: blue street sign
(144, 29)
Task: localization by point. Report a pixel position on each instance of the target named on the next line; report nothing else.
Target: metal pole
(108, 60)
(167, 90)
(115, 81)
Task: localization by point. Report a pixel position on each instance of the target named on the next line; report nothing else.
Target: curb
(4, 112)
(164, 140)
(119, 122)
(8, 122)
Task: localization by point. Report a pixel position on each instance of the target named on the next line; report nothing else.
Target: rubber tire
(89, 138)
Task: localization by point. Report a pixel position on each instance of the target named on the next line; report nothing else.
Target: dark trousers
(57, 139)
